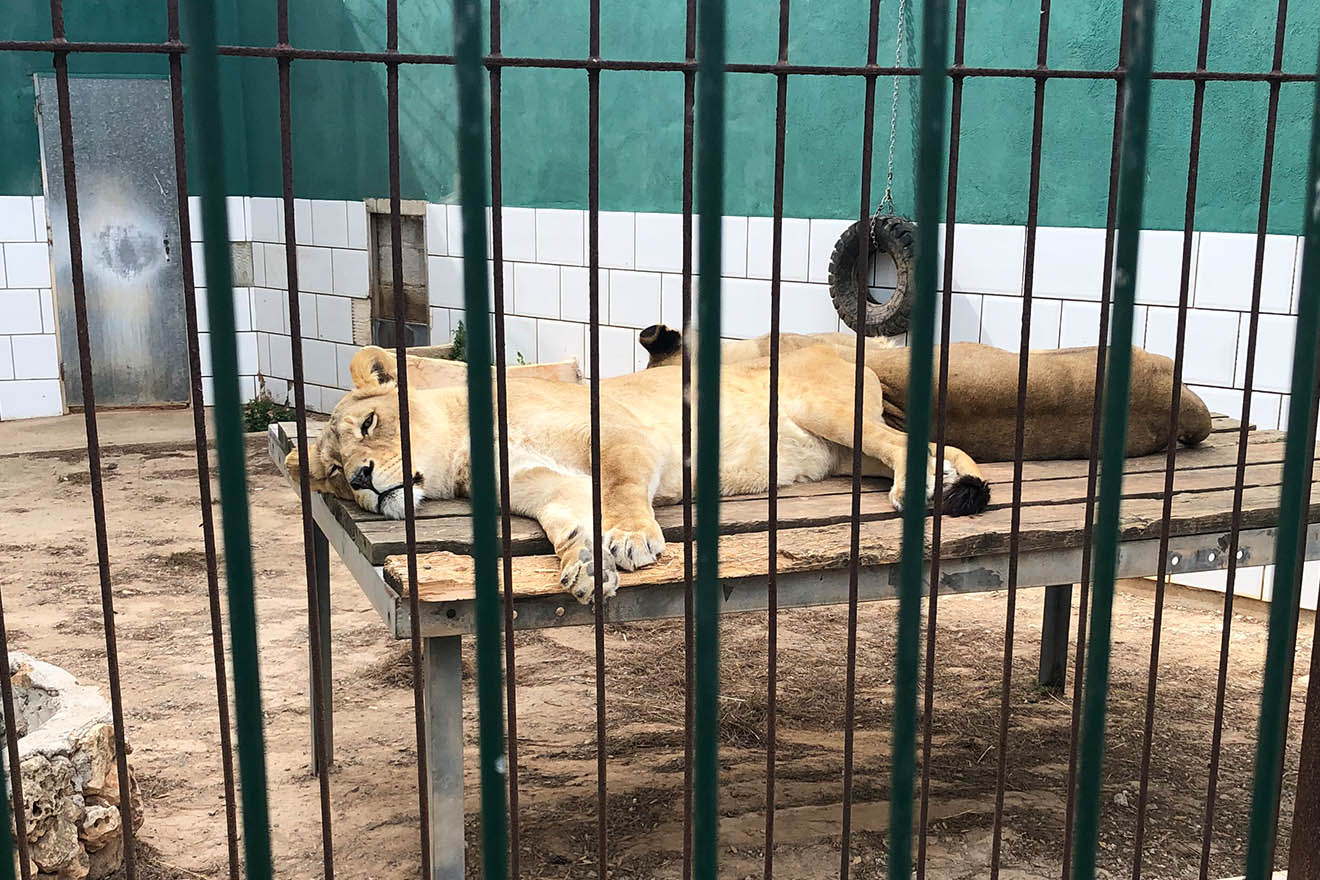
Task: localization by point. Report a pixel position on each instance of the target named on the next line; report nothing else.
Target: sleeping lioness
(357, 454)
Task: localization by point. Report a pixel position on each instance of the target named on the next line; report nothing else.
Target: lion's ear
(293, 465)
(372, 366)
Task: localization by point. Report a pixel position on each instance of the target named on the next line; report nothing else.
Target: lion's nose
(362, 477)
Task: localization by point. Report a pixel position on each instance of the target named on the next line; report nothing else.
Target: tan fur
(641, 455)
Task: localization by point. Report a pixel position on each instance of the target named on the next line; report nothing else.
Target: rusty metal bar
(689, 97)
(405, 443)
(204, 498)
(321, 757)
(11, 745)
(93, 439)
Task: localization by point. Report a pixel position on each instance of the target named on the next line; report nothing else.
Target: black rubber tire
(891, 235)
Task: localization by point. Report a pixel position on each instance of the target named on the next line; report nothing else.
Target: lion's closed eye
(334, 469)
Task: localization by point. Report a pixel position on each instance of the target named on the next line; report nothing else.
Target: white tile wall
(561, 237)
(659, 241)
(634, 299)
(1070, 263)
(794, 248)
(1226, 266)
(535, 290)
(6, 358)
(1159, 266)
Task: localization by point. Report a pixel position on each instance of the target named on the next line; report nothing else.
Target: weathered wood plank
(446, 577)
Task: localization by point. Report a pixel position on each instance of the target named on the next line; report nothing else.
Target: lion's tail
(1193, 418)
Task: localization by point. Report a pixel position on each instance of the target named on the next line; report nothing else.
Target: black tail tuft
(968, 495)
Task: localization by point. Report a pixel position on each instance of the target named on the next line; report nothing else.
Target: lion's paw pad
(578, 576)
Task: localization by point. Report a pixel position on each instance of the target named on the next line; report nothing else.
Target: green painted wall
(340, 120)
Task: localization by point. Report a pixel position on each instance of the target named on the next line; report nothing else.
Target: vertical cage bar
(930, 161)
(1180, 350)
(502, 426)
(772, 501)
(1297, 474)
(1226, 626)
(321, 758)
(689, 561)
(1304, 861)
(472, 159)
(204, 498)
(204, 85)
(706, 632)
(941, 426)
(61, 58)
(1093, 467)
(598, 547)
(15, 775)
(405, 440)
(1024, 360)
(1117, 392)
(860, 275)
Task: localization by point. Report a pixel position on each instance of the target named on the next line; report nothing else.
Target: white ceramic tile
(263, 352)
(268, 310)
(824, 235)
(307, 315)
(278, 389)
(437, 241)
(30, 399)
(27, 264)
(199, 264)
(246, 345)
(315, 272)
(1310, 585)
(1223, 401)
(281, 356)
(619, 351)
(659, 241)
(444, 278)
(519, 338)
(47, 310)
(453, 230)
(329, 223)
(794, 249)
(357, 225)
(1001, 322)
(35, 357)
(6, 358)
(1265, 410)
(320, 364)
(196, 232)
(343, 357)
(208, 392)
(561, 340)
(634, 298)
(302, 220)
(1275, 337)
(1070, 262)
(349, 272)
(204, 352)
(671, 300)
(20, 311)
(258, 265)
(1079, 325)
(506, 277)
(16, 219)
(535, 290)
(39, 220)
(988, 258)
(964, 317)
(277, 266)
(519, 234)
(236, 212)
(806, 308)
(617, 234)
(441, 332)
(334, 318)
(1211, 343)
(560, 237)
(733, 247)
(745, 308)
(242, 309)
(575, 295)
(1225, 269)
(1159, 266)
(267, 219)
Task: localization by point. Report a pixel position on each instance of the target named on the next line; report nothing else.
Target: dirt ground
(52, 607)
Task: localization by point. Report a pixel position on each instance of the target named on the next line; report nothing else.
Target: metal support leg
(443, 669)
(321, 558)
(1054, 638)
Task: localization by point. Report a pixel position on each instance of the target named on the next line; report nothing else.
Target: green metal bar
(710, 204)
(6, 839)
(204, 87)
(1297, 464)
(474, 191)
(1117, 391)
(930, 186)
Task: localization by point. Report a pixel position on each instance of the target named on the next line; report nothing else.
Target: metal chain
(887, 201)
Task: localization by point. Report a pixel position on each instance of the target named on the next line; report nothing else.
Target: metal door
(130, 239)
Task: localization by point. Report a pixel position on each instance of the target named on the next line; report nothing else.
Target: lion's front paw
(633, 547)
(578, 575)
(896, 493)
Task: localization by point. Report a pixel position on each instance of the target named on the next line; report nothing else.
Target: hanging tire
(890, 235)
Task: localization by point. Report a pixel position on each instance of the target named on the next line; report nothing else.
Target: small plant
(520, 358)
(260, 412)
(458, 349)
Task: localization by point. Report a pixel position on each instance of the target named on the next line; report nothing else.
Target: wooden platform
(813, 531)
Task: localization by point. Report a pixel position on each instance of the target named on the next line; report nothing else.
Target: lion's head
(357, 454)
